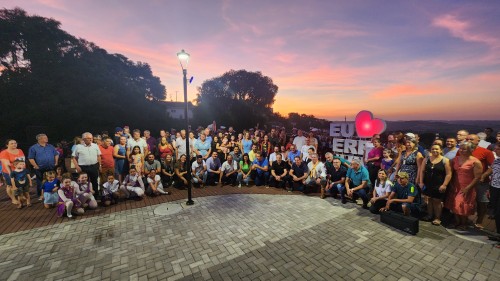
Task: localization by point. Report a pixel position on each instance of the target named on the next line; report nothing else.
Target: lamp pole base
(190, 202)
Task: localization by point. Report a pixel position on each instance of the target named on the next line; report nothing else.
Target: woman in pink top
(7, 158)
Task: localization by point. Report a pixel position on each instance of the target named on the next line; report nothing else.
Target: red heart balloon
(367, 126)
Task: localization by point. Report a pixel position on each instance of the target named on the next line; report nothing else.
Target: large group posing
(459, 174)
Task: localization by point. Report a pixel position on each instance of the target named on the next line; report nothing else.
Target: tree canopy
(238, 97)
(52, 80)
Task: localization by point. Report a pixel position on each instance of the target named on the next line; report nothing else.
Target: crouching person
(86, 191)
(317, 176)
(134, 184)
(155, 187)
(357, 182)
(404, 198)
(112, 191)
(279, 172)
(68, 198)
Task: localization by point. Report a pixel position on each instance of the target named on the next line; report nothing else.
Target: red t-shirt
(107, 160)
(485, 156)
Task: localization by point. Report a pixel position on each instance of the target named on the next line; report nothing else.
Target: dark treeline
(53, 82)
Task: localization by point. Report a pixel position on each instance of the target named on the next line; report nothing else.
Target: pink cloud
(462, 29)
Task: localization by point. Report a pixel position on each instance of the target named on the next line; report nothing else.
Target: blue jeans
(338, 188)
(363, 194)
(240, 178)
(202, 176)
(261, 178)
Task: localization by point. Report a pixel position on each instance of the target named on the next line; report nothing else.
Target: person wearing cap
(404, 197)
(357, 182)
(199, 171)
(118, 135)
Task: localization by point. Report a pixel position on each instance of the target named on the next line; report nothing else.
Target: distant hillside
(444, 127)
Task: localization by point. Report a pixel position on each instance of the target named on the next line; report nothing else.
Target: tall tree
(237, 97)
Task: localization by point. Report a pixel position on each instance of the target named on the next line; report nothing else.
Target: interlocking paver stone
(242, 237)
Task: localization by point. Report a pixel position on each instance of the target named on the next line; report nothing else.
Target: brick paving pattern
(243, 237)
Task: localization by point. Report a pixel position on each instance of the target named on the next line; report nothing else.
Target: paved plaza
(242, 237)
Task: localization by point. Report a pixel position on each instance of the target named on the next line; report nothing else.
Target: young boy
(112, 191)
(21, 182)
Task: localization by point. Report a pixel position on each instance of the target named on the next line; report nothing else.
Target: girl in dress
(49, 189)
(68, 200)
(133, 183)
(86, 192)
(388, 163)
(137, 159)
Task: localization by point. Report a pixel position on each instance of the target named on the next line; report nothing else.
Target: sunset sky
(402, 60)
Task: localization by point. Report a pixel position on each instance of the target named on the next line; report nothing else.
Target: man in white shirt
(272, 156)
(229, 172)
(199, 171)
(299, 140)
(304, 152)
(317, 176)
(87, 158)
(136, 140)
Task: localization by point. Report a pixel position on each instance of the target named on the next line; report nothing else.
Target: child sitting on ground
(112, 191)
(49, 190)
(68, 199)
(86, 192)
(133, 183)
(155, 186)
(21, 182)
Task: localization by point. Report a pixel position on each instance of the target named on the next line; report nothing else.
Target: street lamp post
(184, 60)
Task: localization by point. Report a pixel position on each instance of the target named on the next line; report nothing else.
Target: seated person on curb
(155, 187)
(260, 167)
(404, 198)
(199, 171)
(168, 171)
(279, 172)
(213, 168)
(357, 182)
(133, 183)
(245, 170)
(181, 171)
(86, 193)
(49, 190)
(298, 174)
(112, 191)
(229, 172)
(381, 192)
(337, 174)
(68, 199)
(317, 175)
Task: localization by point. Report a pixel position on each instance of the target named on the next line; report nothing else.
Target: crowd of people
(459, 175)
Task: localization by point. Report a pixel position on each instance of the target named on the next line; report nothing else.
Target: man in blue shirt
(213, 168)
(357, 182)
(43, 157)
(404, 198)
(260, 167)
(292, 154)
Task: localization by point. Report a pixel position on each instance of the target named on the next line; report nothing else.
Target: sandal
(478, 226)
(436, 222)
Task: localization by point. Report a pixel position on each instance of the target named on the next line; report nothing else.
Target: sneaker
(239, 185)
(343, 200)
(70, 215)
(247, 183)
